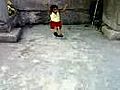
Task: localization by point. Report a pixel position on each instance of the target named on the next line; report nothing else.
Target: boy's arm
(64, 8)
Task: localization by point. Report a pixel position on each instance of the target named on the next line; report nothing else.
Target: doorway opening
(96, 13)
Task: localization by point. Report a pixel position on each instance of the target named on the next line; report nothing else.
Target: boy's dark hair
(52, 7)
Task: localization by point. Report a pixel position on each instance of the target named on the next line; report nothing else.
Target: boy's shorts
(54, 25)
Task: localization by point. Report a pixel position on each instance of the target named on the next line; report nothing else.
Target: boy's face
(55, 10)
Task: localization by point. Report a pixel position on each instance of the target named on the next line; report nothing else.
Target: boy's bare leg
(55, 31)
(60, 31)
(52, 30)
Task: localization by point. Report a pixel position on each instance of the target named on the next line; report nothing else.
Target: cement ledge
(12, 37)
(111, 33)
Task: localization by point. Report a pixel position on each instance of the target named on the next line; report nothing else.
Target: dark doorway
(96, 18)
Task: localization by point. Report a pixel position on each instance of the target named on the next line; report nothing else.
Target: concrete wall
(3, 16)
(3, 11)
(76, 13)
(118, 14)
(41, 4)
(111, 14)
(111, 17)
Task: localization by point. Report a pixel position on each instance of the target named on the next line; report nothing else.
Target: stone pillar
(111, 18)
(6, 33)
(3, 16)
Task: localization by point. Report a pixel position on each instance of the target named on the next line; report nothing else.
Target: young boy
(55, 20)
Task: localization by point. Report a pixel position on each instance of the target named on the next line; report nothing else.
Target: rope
(95, 11)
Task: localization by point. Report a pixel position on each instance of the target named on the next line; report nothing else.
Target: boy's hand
(66, 5)
(64, 8)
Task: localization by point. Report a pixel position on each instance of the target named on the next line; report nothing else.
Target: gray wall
(41, 4)
(3, 11)
(111, 13)
(77, 10)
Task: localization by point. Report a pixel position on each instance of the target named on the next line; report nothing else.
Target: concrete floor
(83, 60)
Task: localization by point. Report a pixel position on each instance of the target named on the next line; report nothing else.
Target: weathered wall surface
(3, 11)
(111, 14)
(41, 4)
(3, 16)
(118, 14)
(111, 17)
(77, 10)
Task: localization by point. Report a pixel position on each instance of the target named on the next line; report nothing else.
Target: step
(13, 36)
